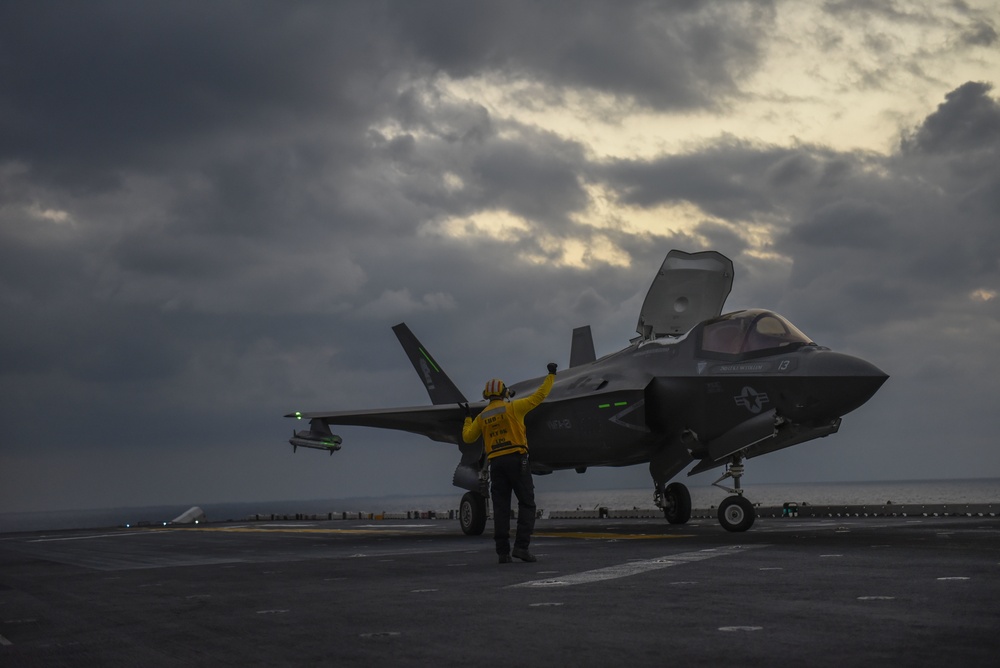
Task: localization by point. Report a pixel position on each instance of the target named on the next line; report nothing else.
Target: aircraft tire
(678, 498)
(472, 514)
(736, 513)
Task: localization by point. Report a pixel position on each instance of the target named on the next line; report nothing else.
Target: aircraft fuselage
(680, 394)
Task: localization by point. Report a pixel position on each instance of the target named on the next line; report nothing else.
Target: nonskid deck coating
(791, 591)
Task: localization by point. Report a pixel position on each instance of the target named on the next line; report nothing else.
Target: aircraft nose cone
(837, 383)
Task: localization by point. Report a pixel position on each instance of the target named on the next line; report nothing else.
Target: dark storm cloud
(846, 223)
(255, 121)
(912, 235)
(664, 55)
(99, 88)
(893, 10)
(980, 33)
(528, 172)
(112, 86)
(730, 179)
(135, 347)
(722, 236)
(695, 178)
(968, 119)
(959, 144)
(511, 174)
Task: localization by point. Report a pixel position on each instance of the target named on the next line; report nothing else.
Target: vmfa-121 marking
(694, 387)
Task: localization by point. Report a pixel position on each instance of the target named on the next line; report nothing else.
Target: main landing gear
(472, 514)
(736, 513)
(472, 511)
(674, 501)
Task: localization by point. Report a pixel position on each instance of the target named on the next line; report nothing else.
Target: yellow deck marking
(303, 530)
(608, 536)
(396, 530)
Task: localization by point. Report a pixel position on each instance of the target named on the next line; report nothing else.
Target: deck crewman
(501, 424)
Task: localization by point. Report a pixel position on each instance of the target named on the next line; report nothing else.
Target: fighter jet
(694, 387)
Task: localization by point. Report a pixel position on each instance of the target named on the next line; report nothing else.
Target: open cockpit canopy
(689, 288)
(750, 333)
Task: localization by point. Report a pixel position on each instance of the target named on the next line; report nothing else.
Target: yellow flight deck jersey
(501, 423)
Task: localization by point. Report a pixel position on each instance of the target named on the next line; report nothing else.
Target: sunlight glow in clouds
(824, 80)
(495, 225)
(983, 295)
(505, 227)
(52, 215)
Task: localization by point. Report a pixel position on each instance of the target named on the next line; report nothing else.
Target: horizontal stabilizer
(582, 350)
(438, 384)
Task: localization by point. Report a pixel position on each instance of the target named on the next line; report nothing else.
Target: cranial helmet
(495, 389)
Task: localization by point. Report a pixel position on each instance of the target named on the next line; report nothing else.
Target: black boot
(523, 554)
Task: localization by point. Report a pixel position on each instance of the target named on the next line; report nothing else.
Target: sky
(211, 215)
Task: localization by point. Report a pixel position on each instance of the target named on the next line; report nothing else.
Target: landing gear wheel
(736, 513)
(472, 514)
(677, 503)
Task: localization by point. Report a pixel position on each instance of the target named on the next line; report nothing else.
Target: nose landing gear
(736, 513)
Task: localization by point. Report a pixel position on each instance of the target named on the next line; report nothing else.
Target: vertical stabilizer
(582, 350)
(438, 384)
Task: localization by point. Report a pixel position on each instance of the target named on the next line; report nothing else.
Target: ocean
(984, 490)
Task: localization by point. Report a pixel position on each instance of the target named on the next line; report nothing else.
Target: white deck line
(635, 567)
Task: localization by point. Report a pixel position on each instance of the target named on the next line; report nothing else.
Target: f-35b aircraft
(694, 387)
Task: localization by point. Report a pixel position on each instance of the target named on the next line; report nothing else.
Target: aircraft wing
(439, 423)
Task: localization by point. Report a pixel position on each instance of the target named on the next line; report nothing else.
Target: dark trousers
(511, 473)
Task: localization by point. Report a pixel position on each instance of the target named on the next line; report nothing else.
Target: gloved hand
(465, 407)
(552, 367)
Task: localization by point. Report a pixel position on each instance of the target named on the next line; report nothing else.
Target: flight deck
(912, 590)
